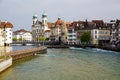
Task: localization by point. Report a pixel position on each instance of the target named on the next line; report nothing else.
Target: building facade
(5, 33)
(40, 28)
(22, 35)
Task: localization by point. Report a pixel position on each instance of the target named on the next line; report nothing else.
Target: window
(95, 32)
(95, 37)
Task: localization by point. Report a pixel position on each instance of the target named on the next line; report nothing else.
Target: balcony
(71, 33)
(71, 37)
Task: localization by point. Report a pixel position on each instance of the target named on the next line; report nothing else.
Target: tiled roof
(98, 21)
(21, 30)
(58, 22)
(68, 24)
(6, 25)
(47, 31)
(49, 24)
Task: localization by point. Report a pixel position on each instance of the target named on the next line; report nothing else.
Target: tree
(20, 39)
(14, 39)
(41, 39)
(47, 39)
(85, 38)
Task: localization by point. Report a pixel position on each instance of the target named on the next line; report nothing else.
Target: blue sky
(20, 12)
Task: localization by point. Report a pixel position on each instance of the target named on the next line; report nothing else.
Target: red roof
(6, 25)
(21, 30)
(58, 22)
(68, 24)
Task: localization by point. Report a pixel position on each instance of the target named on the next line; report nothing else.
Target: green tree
(14, 39)
(47, 39)
(41, 39)
(85, 38)
(20, 39)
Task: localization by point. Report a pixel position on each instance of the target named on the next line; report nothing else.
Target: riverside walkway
(27, 52)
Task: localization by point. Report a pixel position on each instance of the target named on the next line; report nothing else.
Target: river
(66, 64)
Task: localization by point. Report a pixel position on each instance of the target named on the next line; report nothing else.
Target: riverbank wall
(5, 64)
(27, 52)
(19, 54)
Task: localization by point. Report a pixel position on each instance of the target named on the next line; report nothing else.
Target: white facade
(23, 35)
(8, 35)
(27, 36)
(47, 34)
(71, 36)
(39, 28)
(1, 37)
(5, 33)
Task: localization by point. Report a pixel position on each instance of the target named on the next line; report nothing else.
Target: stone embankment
(4, 64)
(19, 54)
(27, 52)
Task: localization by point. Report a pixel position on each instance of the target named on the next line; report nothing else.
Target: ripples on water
(67, 64)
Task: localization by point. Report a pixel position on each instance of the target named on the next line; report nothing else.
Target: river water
(66, 64)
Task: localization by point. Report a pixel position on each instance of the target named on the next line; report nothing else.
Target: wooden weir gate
(27, 52)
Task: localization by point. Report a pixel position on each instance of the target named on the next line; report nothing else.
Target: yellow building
(100, 36)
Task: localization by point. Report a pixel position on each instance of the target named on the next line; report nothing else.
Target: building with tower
(40, 28)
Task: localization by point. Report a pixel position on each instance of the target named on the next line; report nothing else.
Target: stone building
(39, 27)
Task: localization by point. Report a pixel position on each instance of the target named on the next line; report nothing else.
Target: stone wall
(5, 64)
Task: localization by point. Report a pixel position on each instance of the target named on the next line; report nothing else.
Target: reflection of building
(5, 33)
(22, 35)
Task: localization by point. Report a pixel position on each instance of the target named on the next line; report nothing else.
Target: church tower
(44, 21)
(35, 19)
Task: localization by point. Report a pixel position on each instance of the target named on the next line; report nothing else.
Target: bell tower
(44, 20)
(35, 18)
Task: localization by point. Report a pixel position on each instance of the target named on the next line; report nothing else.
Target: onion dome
(44, 14)
(35, 16)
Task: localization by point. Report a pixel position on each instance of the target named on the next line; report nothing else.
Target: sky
(20, 12)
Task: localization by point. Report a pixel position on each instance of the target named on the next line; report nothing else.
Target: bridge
(36, 42)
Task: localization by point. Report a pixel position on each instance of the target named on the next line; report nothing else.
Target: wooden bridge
(27, 52)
